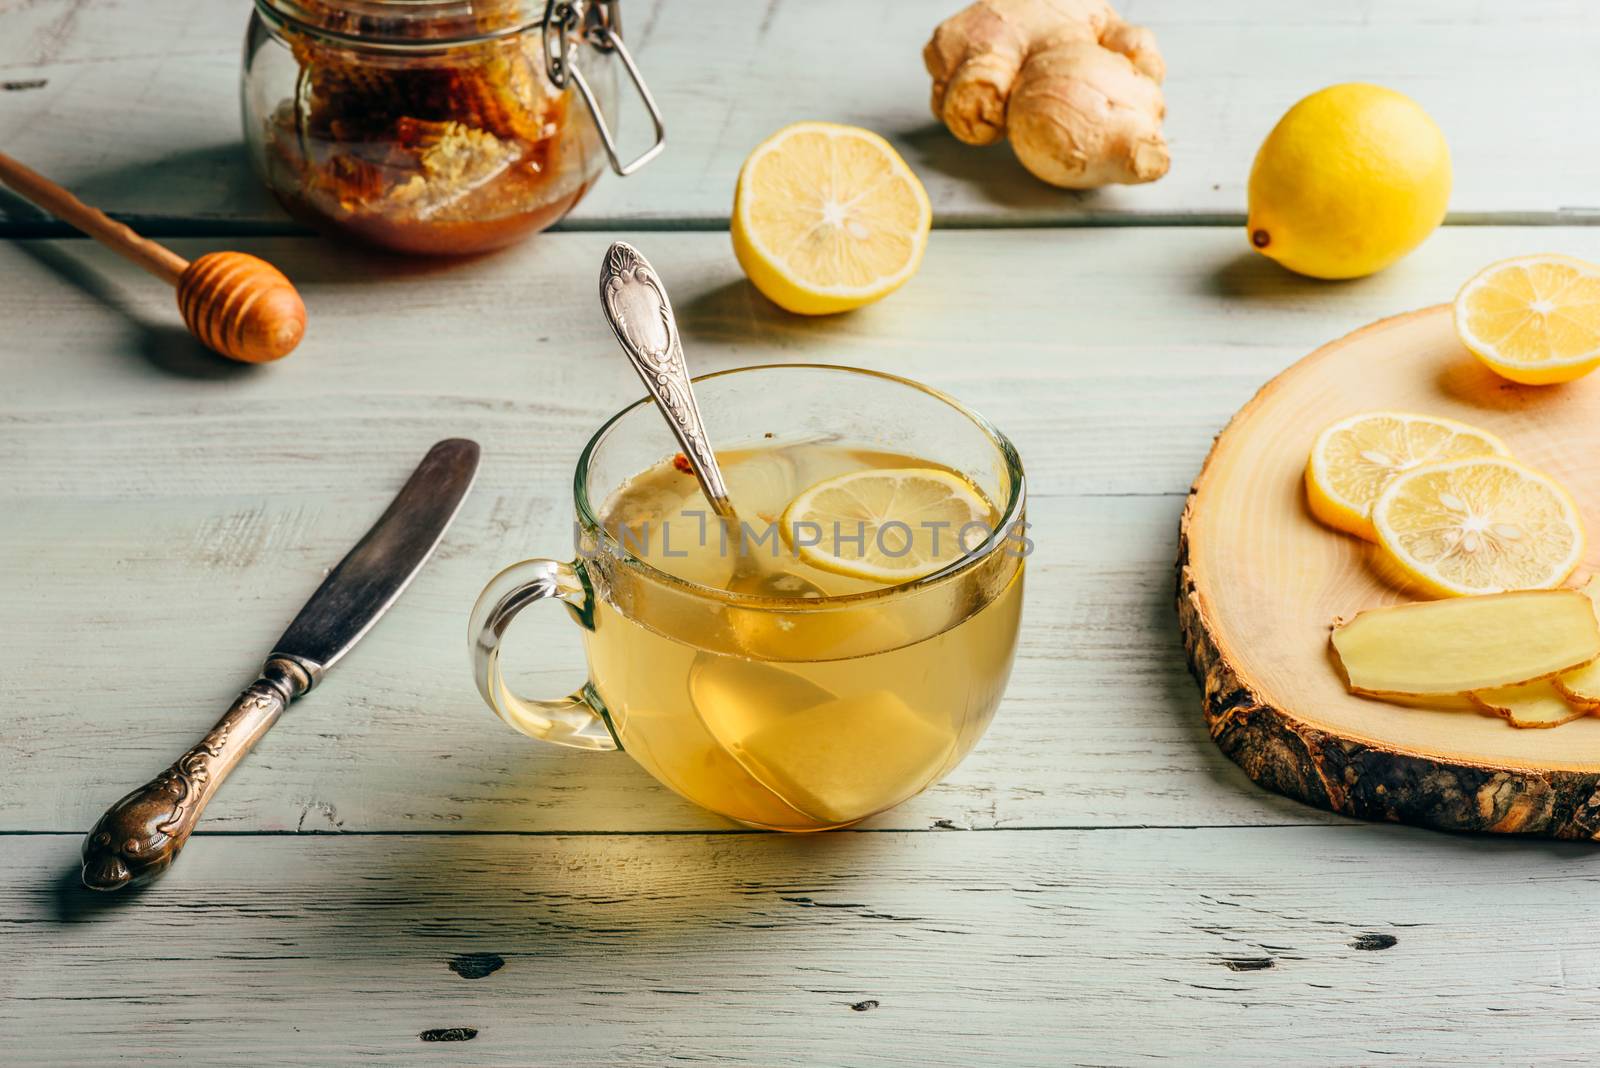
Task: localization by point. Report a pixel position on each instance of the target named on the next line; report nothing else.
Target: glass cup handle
(578, 720)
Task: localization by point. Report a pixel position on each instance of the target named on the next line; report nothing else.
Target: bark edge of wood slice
(1259, 581)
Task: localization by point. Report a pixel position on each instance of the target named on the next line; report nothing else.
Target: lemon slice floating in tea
(1355, 459)
(1533, 319)
(890, 525)
(1480, 525)
(827, 218)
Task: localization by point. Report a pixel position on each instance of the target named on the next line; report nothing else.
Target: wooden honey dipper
(237, 305)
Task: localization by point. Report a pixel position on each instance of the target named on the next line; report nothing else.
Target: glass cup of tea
(821, 658)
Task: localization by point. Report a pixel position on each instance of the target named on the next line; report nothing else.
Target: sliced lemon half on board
(1533, 319)
(827, 218)
(1355, 459)
(890, 525)
(1481, 525)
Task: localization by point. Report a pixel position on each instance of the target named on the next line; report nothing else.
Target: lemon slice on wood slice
(1353, 460)
(890, 525)
(827, 218)
(1481, 525)
(1533, 319)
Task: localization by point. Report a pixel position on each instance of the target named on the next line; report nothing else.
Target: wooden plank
(1101, 723)
(162, 514)
(1112, 356)
(138, 107)
(1327, 945)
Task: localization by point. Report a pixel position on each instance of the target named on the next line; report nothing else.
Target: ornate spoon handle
(139, 837)
(640, 315)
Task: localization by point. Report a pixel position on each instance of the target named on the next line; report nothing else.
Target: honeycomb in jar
(498, 86)
(408, 137)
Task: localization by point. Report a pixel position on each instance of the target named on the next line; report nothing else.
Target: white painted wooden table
(1095, 885)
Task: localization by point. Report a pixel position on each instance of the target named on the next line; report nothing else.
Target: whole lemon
(1352, 178)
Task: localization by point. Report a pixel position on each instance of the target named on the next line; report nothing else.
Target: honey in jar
(443, 127)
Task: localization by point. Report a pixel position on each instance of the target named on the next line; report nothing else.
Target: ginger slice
(1467, 644)
(1531, 704)
(1582, 685)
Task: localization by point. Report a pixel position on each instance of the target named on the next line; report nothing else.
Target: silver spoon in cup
(636, 306)
(640, 315)
(731, 694)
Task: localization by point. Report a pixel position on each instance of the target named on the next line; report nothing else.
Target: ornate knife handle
(140, 836)
(640, 315)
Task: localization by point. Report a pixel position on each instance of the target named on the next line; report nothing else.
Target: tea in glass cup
(839, 647)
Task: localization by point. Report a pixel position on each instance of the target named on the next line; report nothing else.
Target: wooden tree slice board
(1260, 580)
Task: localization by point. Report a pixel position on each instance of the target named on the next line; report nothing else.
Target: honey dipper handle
(153, 257)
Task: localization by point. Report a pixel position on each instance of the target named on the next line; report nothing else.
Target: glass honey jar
(435, 126)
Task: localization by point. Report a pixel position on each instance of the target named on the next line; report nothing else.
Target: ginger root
(1077, 90)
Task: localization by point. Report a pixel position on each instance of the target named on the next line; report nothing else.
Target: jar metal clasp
(566, 22)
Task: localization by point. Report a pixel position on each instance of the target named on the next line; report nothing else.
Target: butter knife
(139, 837)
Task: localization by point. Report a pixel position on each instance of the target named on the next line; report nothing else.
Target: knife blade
(373, 574)
(139, 837)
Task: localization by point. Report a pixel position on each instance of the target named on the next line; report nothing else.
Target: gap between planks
(174, 227)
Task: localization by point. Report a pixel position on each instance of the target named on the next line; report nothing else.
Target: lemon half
(827, 218)
(1533, 319)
